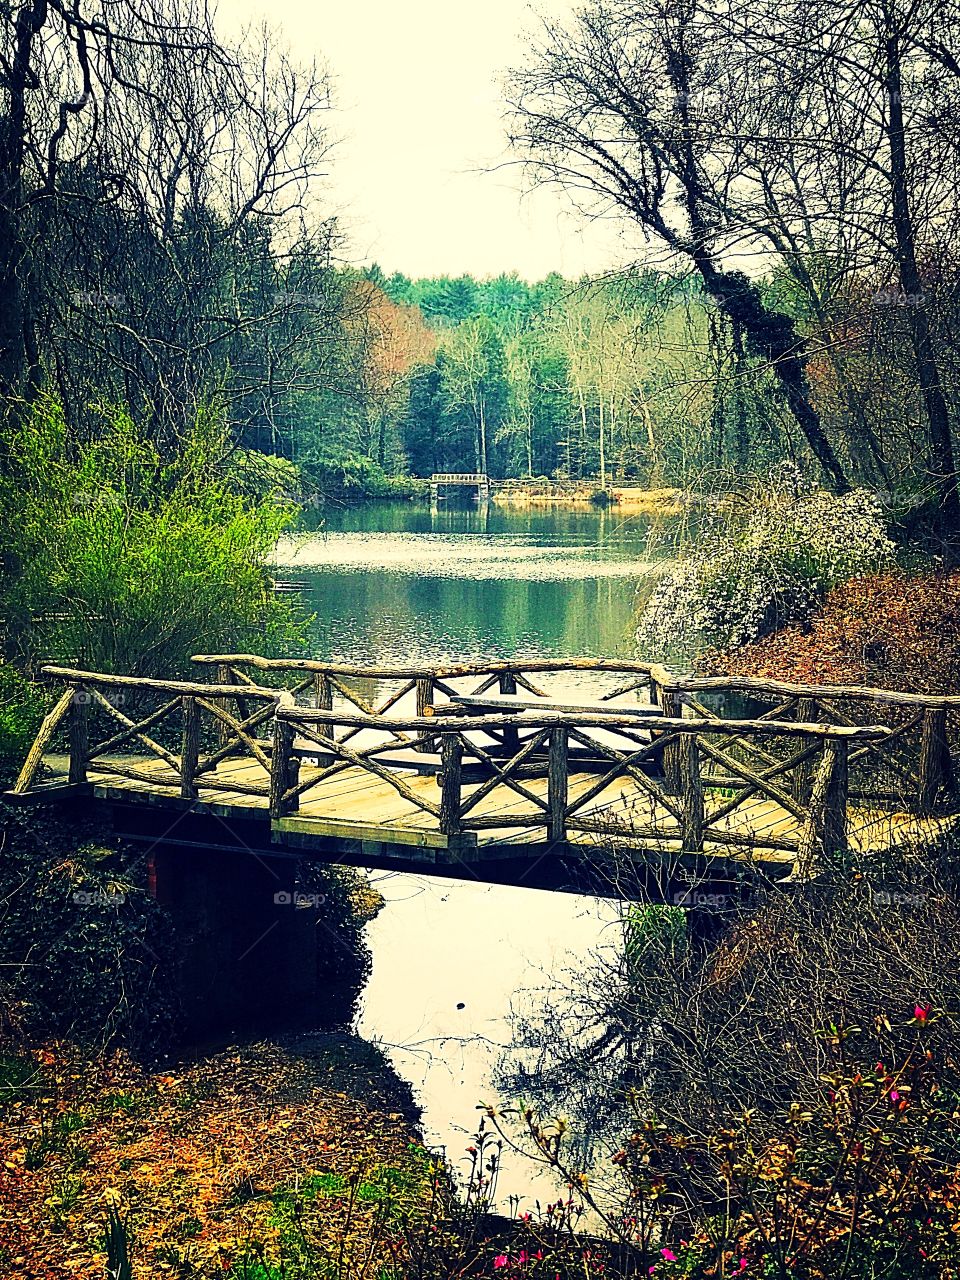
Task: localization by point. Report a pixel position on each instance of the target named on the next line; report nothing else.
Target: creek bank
(202, 1157)
(891, 630)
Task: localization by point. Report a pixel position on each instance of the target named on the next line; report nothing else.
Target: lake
(398, 583)
(401, 584)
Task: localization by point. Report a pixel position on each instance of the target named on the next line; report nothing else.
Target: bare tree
(156, 193)
(612, 108)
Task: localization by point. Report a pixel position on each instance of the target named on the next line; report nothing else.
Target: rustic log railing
(649, 814)
(916, 766)
(673, 773)
(382, 690)
(184, 713)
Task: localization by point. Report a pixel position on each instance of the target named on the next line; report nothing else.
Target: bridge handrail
(448, 671)
(764, 685)
(683, 745)
(188, 699)
(442, 720)
(806, 781)
(71, 675)
(670, 681)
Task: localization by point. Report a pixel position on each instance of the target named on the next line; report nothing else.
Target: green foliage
(654, 936)
(117, 1246)
(22, 705)
(129, 561)
(337, 471)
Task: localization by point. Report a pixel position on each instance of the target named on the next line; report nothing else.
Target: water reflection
(399, 583)
(450, 959)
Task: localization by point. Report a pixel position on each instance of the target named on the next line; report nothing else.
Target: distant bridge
(644, 785)
(478, 480)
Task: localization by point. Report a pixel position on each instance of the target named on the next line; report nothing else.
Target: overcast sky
(420, 118)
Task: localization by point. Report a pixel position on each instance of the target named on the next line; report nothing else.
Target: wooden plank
(344, 829)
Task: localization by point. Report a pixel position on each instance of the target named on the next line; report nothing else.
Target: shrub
(22, 706)
(86, 954)
(127, 561)
(338, 472)
(768, 561)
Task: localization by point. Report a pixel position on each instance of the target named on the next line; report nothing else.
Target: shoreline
(199, 1154)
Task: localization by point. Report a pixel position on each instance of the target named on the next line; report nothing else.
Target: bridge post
(189, 748)
(79, 736)
(672, 709)
(323, 697)
(557, 784)
(224, 676)
(284, 768)
(424, 700)
(802, 779)
(937, 782)
(825, 831)
(451, 761)
(691, 785)
(511, 737)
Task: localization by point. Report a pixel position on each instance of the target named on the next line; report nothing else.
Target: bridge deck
(356, 805)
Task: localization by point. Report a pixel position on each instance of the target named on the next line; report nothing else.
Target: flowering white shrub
(761, 569)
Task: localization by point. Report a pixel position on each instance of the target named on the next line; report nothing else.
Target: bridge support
(250, 958)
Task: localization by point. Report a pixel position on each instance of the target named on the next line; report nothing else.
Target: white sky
(420, 119)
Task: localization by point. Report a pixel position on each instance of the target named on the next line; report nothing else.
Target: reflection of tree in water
(584, 1051)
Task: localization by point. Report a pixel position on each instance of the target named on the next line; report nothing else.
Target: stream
(397, 583)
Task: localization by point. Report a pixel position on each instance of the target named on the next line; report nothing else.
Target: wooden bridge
(612, 775)
(478, 480)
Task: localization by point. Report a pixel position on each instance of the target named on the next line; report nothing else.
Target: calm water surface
(397, 583)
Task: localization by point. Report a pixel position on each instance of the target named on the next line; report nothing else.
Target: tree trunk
(928, 375)
(773, 338)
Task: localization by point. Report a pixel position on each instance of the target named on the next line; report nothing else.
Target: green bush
(343, 473)
(128, 561)
(22, 705)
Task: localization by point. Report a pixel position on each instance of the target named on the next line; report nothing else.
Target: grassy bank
(520, 494)
(235, 1163)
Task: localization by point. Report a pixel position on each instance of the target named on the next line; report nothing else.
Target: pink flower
(921, 1012)
(668, 1254)
(894, 1096)
(500, 1261)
